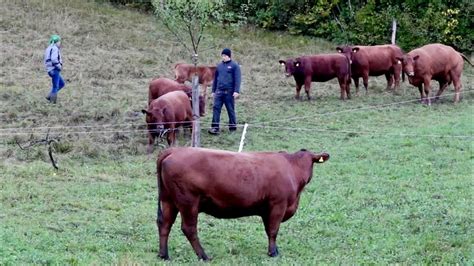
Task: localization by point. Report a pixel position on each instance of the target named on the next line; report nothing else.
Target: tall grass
(398, 187)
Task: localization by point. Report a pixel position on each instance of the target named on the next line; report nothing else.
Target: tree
(187, 21)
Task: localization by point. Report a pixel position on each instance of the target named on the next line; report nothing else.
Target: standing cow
(229, 185)
(185, 72)
(165, 115)
(320, 68)
(434, 62)
(374, 61)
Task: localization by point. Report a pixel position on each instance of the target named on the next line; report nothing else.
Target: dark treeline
(356, 21)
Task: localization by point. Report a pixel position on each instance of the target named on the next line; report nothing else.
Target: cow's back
(226, 180)
(177, 105)
(325, 66)
(162, 86)
(441, 58)
(379, 59)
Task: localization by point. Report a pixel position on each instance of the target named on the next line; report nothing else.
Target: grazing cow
(185, 72)
(434, 62)
(374, 61)
(165, 115)
(324, 67)
(229, 185)
(161, 86)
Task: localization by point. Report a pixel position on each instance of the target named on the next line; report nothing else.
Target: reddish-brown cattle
(161, 86)
(185, 72)
(229, 185)
(306, 69)
(166, 114)
(374, 61)
(434, 62)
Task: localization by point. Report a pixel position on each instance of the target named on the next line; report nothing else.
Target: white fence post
(241, 146)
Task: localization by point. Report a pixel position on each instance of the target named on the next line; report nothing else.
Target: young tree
(187, 21)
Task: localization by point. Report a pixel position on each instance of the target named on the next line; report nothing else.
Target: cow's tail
(465, 58)
(161, 157)
(349, 71)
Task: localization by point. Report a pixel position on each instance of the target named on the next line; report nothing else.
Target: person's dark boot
(213, 131)
(48, 98)
(53, 98)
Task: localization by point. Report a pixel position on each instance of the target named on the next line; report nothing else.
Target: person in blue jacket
(53, 64)
(225, 89)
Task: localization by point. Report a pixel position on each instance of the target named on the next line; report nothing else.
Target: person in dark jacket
(53, 64)
(225, 89)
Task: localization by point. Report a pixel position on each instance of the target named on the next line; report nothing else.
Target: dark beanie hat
(227, 52)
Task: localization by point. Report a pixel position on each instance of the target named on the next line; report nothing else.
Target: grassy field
(397, 189)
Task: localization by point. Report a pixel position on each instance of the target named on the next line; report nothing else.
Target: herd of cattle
(268, 184)
(430, 62)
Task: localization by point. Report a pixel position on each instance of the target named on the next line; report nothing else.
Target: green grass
(397, 189)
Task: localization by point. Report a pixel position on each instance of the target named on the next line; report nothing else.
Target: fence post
(196, 135)
(241, 146)
(394, 30)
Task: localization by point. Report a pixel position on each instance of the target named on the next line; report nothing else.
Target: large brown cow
(434, 62)
(165, 115)
(185, 72)
(161, 86)
(320, 68)
(374, 61)
(229, 185)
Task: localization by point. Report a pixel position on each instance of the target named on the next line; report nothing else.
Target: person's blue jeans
(224, 98)
(56, 80)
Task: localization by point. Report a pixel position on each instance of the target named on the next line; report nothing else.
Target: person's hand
(236, 95)
(213, 95)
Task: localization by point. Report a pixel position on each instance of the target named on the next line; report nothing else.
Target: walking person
(53, 64)
(225, 89)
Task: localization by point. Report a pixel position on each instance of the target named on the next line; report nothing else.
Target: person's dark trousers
(224, 98)
(57, 84)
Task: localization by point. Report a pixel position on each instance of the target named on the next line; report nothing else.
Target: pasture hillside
(397, 189)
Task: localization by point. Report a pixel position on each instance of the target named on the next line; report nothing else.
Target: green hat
(54, 39)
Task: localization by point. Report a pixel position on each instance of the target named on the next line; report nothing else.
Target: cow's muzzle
(411, 74)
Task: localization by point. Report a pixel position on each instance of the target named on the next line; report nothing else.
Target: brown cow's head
(154, 119)
(292, 66)
(348, 51)
(409, 62)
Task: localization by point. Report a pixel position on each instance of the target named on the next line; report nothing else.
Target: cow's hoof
(273, 253)
(164, 257)
(204, 257)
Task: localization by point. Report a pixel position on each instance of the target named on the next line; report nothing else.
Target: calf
(374, 61)
(185, 72)
(229, 185)
(324, 67)
(434, 62)
(165, 115)
(161, 86)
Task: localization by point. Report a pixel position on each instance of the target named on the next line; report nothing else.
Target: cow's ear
(320, 157)
(399, 59)
(355, 49)
(339, 49)
(282, 62)
(145, 112)
(416, 57)
(297, 63)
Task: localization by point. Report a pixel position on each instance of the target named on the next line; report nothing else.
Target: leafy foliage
(352, 21)
(188, 18)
